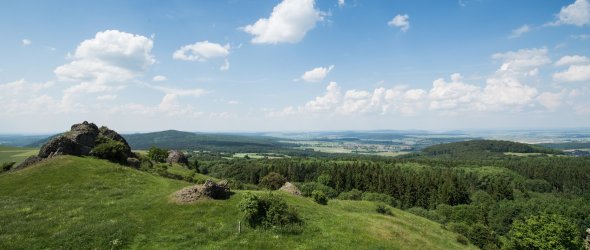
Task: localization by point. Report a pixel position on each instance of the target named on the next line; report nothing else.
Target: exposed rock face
(28, 162)
(80, 140)
(176, 156)
(290, 188)
(208, 190)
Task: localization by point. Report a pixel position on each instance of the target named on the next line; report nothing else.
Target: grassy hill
(16, 154)
(71, 202)
(483, 149)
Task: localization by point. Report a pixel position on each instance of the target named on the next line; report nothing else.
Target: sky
(294, 65)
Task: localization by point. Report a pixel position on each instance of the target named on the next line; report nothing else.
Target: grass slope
(16, 154)
(76, 203)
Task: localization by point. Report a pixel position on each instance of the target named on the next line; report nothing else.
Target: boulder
(290, 188)
(176, 156)
(27, 162)
(208, 190)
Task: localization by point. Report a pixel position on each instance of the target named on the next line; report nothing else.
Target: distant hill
(483, 148)
(72, 202)
(173, 139)
(567, 145)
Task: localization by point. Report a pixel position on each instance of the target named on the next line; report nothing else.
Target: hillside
(483, 149)
(68, 202)
(200, 141)
(16, 154)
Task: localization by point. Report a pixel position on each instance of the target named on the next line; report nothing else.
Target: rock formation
(208, 190)
(80, 140)
(176, 156)
(290, 188)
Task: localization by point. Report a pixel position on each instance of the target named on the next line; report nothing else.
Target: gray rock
(176, 156)
(133, 162)
(27, 162)
(208, 190)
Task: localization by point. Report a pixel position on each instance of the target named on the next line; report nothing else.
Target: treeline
(483, 149)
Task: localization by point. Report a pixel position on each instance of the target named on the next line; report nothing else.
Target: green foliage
(378, 197)
(383, 209)
(307, 189)
(319, 197)
(5, 166)
(482, 236)
(538, 185)
(325, 179)
(483, 149)
(111, 150)
(353, 194)
(462, 239)
(157, 154)
(267, 211)
(545, 231)
(273, 181)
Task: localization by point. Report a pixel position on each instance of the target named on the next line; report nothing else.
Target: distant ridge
(486, 148)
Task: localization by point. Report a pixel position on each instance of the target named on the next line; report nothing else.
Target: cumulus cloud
(520, 31)
(22, 97)
(327, 101)
(159, 78)
(577, 13)
(289, 21)
(111, 56)
(26, 42)
(575, 73)
(522, 61)
(449, 95)
(317, 74)
(201, 51)
(572, 60)
(106, 97)
(550, 101)
(400, 21)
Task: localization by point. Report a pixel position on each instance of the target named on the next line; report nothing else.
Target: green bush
(458, 227)
(6, 166)
(538, 185)
(273, 181)
(308, 187)
(267, 211)
(111, 150)
(354, 195)
(383, 209)
(319, 197)
(325, 179)
(157, 154)
(378, 197)
(462, 239)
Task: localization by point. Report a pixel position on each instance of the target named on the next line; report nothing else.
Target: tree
(545, 231)
(319, 197)
(273, 181)
(267, 211)
(157, 154)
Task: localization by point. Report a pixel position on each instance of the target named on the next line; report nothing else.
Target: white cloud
(520, 31)
(522, 61)
(26, 42)
(111, 56)
(550, 101)
(572, 60)
(502, 92)
(21, 97)
(289, 21)
(575, 73)
(327, 101)
(201, 51)
(450, 95)
(159, 78)
(106, 97)
(233, 102)
(225, 66)
(400, 21)
(341, 3)
(577, 13)
(581, 36)
(181, 92)
(317, 74)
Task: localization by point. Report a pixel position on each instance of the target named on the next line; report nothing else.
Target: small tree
(273, 181)
(111, 150)
(267, 211)
(157, 154)
(319, 197)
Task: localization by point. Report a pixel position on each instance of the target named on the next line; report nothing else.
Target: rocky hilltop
(86, 139)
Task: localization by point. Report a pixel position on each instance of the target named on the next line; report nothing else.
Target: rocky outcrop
(27, 162)
(79, 141)
(176, 156)
(208, 190)
(290, 188)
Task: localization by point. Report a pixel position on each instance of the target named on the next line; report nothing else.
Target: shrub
(459, 227)
(111, 150)
(6, 166)
(378, 197)
(267, 211)
(319, 197)
(157, 154)
(325, 179)
(462, 239)
(308, 187)
(354, 195)
(383, 209)
(273, 181)
(545, 231)
(538, 185)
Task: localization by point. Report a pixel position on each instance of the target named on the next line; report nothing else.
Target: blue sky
(276, 65)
